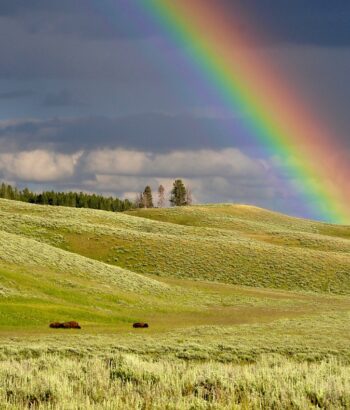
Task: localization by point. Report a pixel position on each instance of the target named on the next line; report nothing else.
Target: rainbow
(275, 112)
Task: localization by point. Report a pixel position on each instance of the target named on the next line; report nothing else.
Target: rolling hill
(220, 286)
(230, 244)
(180, 266)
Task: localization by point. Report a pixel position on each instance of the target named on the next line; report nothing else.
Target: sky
(95, 97)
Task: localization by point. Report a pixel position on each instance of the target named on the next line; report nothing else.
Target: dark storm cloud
(300, 22)
(153, 132)
(35, 47)
(88, 18)
(90, 38)
(63, 98)
(12, 95)
(148, 132)
(317, 22)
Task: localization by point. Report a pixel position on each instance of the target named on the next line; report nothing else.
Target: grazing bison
(65, 325)
(71, 325)
(56, 325)
(142, 325)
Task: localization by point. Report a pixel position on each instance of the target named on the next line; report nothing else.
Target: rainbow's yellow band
(275, 111)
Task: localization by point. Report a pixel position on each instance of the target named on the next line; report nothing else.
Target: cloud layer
(38, 166)
(225, 174)
(153, 132)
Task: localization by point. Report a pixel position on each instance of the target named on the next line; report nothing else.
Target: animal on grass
(65, 325)
(55, 325)
(140, 325)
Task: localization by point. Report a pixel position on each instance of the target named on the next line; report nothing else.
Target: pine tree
(161, 196)
(178, 193)
(147, 197)
(9, 192)
(25, 195)
(3, 190)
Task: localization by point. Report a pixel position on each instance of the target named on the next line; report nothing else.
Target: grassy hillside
(40, 283)
(184, 271)
(109, 269)
(231, 244)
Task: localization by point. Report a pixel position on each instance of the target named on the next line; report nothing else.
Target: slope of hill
(164, 266)
(109, 269)
(40, 283)
(244, 218)
(99, 265)
(237, 245)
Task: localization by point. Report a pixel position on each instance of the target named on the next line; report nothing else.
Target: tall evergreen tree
(161, 197)
(178, 194)
(147, 197)
(3, 190)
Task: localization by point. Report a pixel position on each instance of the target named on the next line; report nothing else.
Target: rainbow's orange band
(275, 112)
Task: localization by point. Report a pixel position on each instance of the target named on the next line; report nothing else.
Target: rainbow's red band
(276, 113)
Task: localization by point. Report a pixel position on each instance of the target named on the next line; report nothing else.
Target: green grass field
(233, 294)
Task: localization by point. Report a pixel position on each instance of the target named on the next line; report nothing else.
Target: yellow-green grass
(247, 309)
(102, 300)
(40, 283)
(233, 244)
(128, 382)
(309, 338)
(246, 218)
(59, 264)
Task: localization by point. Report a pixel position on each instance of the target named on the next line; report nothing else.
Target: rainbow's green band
(213, 44)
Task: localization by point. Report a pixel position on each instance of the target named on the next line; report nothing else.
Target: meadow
(247, 309)
(127, 381)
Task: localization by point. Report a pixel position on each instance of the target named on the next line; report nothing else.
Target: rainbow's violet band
(214, 41)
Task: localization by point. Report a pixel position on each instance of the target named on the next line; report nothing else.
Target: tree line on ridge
(70, 199)
(179, 196)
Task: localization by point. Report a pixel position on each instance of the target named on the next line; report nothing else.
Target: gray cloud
(211, 173)
(37, 166)
(225, 175)
(83, 18)
(319, 23)
(154, 132)
(200, 163)
(84, 38)
(12, 95)
(35, 53)
(63, 98)
(11, 8)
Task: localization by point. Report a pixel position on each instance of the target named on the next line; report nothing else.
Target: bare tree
(139, 201)
(189, 199)
(161, 196)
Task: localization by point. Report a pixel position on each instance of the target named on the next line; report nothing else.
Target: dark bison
(71, 325)
(65, 325)
(140, 325)
(56, 325)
